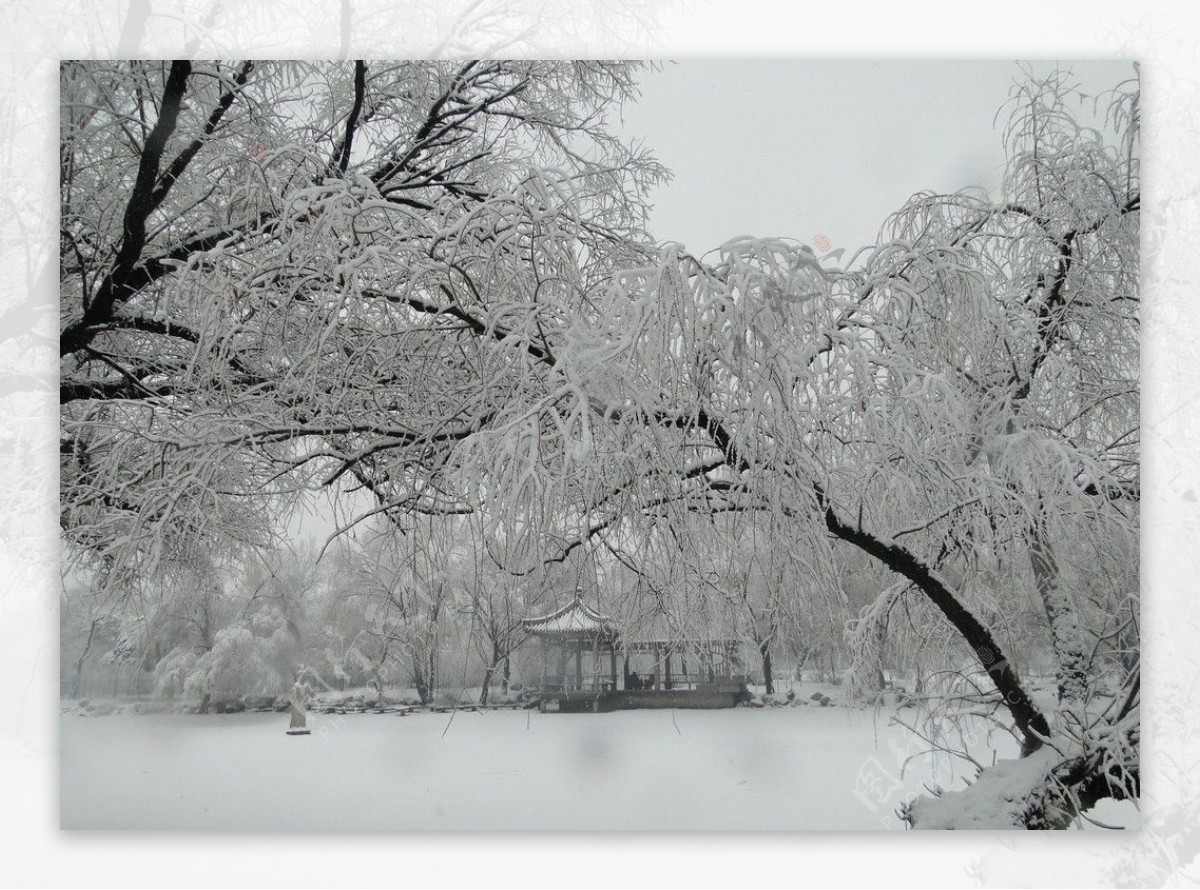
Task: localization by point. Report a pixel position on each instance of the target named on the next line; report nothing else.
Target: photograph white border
(38, 33)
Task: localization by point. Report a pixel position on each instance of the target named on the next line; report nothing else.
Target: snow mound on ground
(997, 799)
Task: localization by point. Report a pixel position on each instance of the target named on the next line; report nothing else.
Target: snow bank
(995, 800)
(999, 797)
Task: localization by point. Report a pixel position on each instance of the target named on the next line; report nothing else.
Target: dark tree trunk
(499, 658)
(764, 649)
(432, 675)
(487, 683)
(1030, 721)
(79, 664)
(423, 686)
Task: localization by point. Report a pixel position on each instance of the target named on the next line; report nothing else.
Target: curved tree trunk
(1029, 720)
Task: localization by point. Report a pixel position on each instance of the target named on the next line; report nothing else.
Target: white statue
(299, 697)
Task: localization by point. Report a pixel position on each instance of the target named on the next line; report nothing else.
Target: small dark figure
(635, 682)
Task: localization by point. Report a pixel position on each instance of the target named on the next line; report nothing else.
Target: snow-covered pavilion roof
(574, 618)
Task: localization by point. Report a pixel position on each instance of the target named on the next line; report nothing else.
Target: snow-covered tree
(287, 274)
(961, 407)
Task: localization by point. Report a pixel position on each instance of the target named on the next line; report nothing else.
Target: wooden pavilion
(566, 635)
(580, 651)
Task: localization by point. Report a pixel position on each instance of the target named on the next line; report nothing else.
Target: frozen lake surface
(774, 768)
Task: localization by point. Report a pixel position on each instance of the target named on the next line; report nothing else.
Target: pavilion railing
(646, 681)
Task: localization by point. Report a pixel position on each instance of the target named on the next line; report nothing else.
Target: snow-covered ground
(770, 768)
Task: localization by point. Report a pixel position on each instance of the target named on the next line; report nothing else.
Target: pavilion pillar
(612, 660)
(578, 666)
(596, 663)
(667, 671)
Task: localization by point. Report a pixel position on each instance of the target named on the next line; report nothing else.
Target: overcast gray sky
(801, 148)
